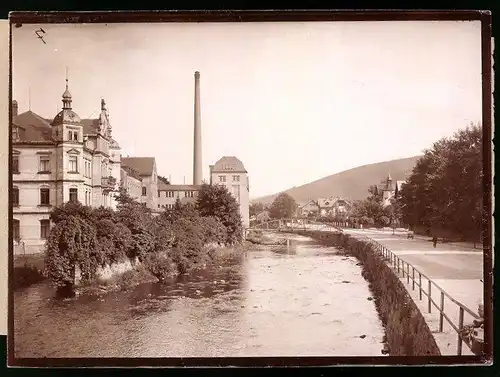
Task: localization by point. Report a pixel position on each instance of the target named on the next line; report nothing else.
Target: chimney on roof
(14, 108)
(197, 161)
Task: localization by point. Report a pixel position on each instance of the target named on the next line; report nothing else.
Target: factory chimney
(197, 161)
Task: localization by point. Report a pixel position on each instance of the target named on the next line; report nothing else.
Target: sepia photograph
(249, 190)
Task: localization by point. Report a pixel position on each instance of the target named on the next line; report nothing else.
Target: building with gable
(230, 172)
(72, 159)
(146, 168)
(56, 161)
(389, 189)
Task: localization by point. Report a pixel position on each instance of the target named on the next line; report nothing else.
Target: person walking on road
(434, 241)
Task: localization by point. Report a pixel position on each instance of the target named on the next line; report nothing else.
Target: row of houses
(72, 159)
(336, 206)
(332, 206)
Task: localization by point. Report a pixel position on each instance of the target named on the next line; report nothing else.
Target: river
(299, 300)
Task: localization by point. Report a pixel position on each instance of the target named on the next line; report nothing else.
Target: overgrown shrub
(178, 240)
(160, 265)
(213, 231)
(216, 201)
(72, 243)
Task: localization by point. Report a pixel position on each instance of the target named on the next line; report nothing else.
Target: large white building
(72, 159)
(230, 172)
(58, 160)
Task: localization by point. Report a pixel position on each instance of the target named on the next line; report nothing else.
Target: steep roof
(32, 127)
(35, 128)
(143, 165)
(229, 164)
(131, 172)
(90, 126)
(310, 202)
(326, 202)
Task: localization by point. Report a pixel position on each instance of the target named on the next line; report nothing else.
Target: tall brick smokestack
(197, 161)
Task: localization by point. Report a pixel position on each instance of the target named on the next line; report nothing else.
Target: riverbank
(29, 270)
(259, 238)
(265, 302)
(407, 333)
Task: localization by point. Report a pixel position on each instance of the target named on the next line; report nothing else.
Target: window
(188, 194)
(88, 172)
(73, 195)
(44, 164)
(44, 229)
(159, 206)
(222, 178)
(44, 197)
(16, 230)
(144, 191)
(170, 194)
(72, 135)
(159, 193)
(236, 192)
(15, 133)
(73, 164)
(236, 178)
(15, 164)
(15, 197)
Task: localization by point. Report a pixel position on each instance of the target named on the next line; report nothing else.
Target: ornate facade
(56, 161)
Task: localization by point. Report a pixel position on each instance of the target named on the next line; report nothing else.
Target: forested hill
(350, 184)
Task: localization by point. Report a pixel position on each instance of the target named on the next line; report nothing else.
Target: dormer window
(72, 135)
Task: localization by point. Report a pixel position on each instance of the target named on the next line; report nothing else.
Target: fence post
(403, 267)
(420, 285)
(407, 273)
(430, 294)
(398, 265)
(441, 313)
(460, 325)
(412, 278)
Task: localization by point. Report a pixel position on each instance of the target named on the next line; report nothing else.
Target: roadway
(456, 267)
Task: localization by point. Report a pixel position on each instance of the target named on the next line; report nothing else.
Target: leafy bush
(176, 241)
(213, 231)
(72, 243)
(216, 201)
(159, 265)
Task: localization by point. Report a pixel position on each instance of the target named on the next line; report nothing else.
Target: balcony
(108, 184)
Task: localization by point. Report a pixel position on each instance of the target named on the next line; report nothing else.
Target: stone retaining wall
(407, 332)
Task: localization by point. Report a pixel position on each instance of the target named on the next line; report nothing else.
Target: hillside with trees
(349, 184)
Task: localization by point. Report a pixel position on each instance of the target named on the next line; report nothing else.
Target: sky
(294, 101)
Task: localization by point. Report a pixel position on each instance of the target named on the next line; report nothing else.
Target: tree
(72, 243)
(216, 201)
(284, 206)
(164, 180)
(256, 208)
(444, 190)
(123, 197)
(70, 210)
(138, 219)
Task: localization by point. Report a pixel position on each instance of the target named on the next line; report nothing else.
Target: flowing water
(298, 300)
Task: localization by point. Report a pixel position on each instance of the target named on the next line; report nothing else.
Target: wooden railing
(415, 276)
